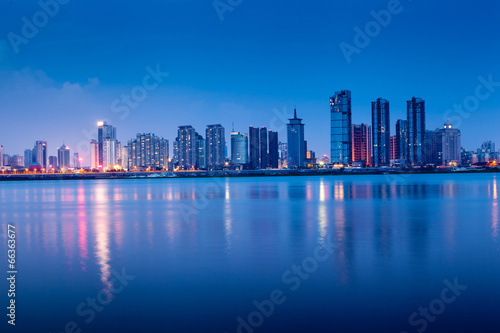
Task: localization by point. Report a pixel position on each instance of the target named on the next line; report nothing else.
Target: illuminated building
(381, 137)
(296, 143)
(340, 135)
(215, 150)
(63, 154)
(416, 130)
(362, 144)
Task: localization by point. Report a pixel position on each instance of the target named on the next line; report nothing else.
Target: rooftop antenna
(233, 126)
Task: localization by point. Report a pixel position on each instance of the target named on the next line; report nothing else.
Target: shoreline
(231, 173)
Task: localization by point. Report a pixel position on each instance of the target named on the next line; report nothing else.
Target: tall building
(118, 153)
(94, 154)
(264, 160)
(186, 147)
(40, 153)
(273, 150)
(254, 148)
(105, 131)
(283, 155)
(341, 144)
(63, 154)
(146, 151)
(381, 137)
(125, 156)
(402, 139)
(201, 153)
(430, 148)
(108, 153)
(28, 157)
(53, 162)
(215, 146)
(394, 147)
(362, 144)
(1, 156)
(296, 143)
(239, 148)
(449, 145)
(416, 130)
(16, 161)
(77, 161)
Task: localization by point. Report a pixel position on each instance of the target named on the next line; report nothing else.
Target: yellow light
(100, 123)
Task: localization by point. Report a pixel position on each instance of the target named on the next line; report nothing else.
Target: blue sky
(252, 68)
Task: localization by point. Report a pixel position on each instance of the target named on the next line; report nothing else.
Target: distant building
(106, 132)
(16, 161)
(201, 160)
(381, 137)
(186, 148)
(77, 161)
(394, 147)
(466, 157)
(108, 153)
(146, 151)
(449, 145)
(273, 150)
(215, 146)
(430, 148)
(63, 155)
(125, 158)
(94, 155)
(1, 156)
(283, 155)
(263, 148)
(28, 157)
(40, 153)
(254, 148)
(118, 153)
(341, 136)
(416, 130)
(239, 148)
(362, 144)
(402, 139)
(296, 142)
(53, 162)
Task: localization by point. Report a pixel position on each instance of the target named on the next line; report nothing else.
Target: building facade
(215, 147)
(146, 151)
(40, 153)
(105, 132)
(239, 148)
(296, 143)
(94, 154)
(341, 136)
(264, 157)
(362, 144)
(254, 148)
(449, 145)
(416, 130)
(273, 150)
(381, 137)
(402, 139)
(63, 157)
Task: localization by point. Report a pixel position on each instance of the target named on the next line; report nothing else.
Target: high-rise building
(430, 149)
(394, 147)
(254, 148)
(53, 162)
(449, 145)
(215, 146)
(186, 147)
(40, 153)
(416, 130)
(402, 139)
(108, 153)
(362, 144)
(201, 153)
(1, 156)
(296, 142)
(118, 153)
(105, 131)
(264, 160)
(381, 137)
(63, 155)
(273, 150)
(239, 148)
(16, 161)
(341, 144)
(28, 157)
(146, 151)
(77, 161)
(94, 154)
(283, 155)
(124, 156)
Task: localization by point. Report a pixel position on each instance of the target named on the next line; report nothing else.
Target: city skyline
(215, 77)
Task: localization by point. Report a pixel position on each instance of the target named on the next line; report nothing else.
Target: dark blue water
(218, 255)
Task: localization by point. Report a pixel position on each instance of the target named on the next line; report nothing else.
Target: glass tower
(416, 130)
(381, 138)
(341, 136)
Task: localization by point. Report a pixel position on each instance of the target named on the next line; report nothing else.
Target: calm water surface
(203, 250)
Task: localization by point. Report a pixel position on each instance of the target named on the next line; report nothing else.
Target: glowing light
(100, 123)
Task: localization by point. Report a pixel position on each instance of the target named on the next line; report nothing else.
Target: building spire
(295, 113)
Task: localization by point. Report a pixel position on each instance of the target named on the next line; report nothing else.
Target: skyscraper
(416, 130)
(1, 156)
(53, 162)
(263, 148)
(201, 153)
(362, 144)
(40, 153)
(108, 153)
(394, 147)
(296, 143)
(254, 148)
(239, 148)
(429, 148)
(215, 146)
(125, 156)
(105, 131)
(341, 136)
(146, 151)
(28, 157)
(186, 147)
(402, 139)
(94, 154)
(78, 161)
(381, 137)
(273, 150)
(283, 154)
(449, 145)
(63, 154)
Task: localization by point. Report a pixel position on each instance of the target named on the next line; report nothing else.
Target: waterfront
(203, 250)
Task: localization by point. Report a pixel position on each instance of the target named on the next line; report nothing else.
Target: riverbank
(234, 173)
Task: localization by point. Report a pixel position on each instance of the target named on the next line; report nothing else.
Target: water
(201, 251)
